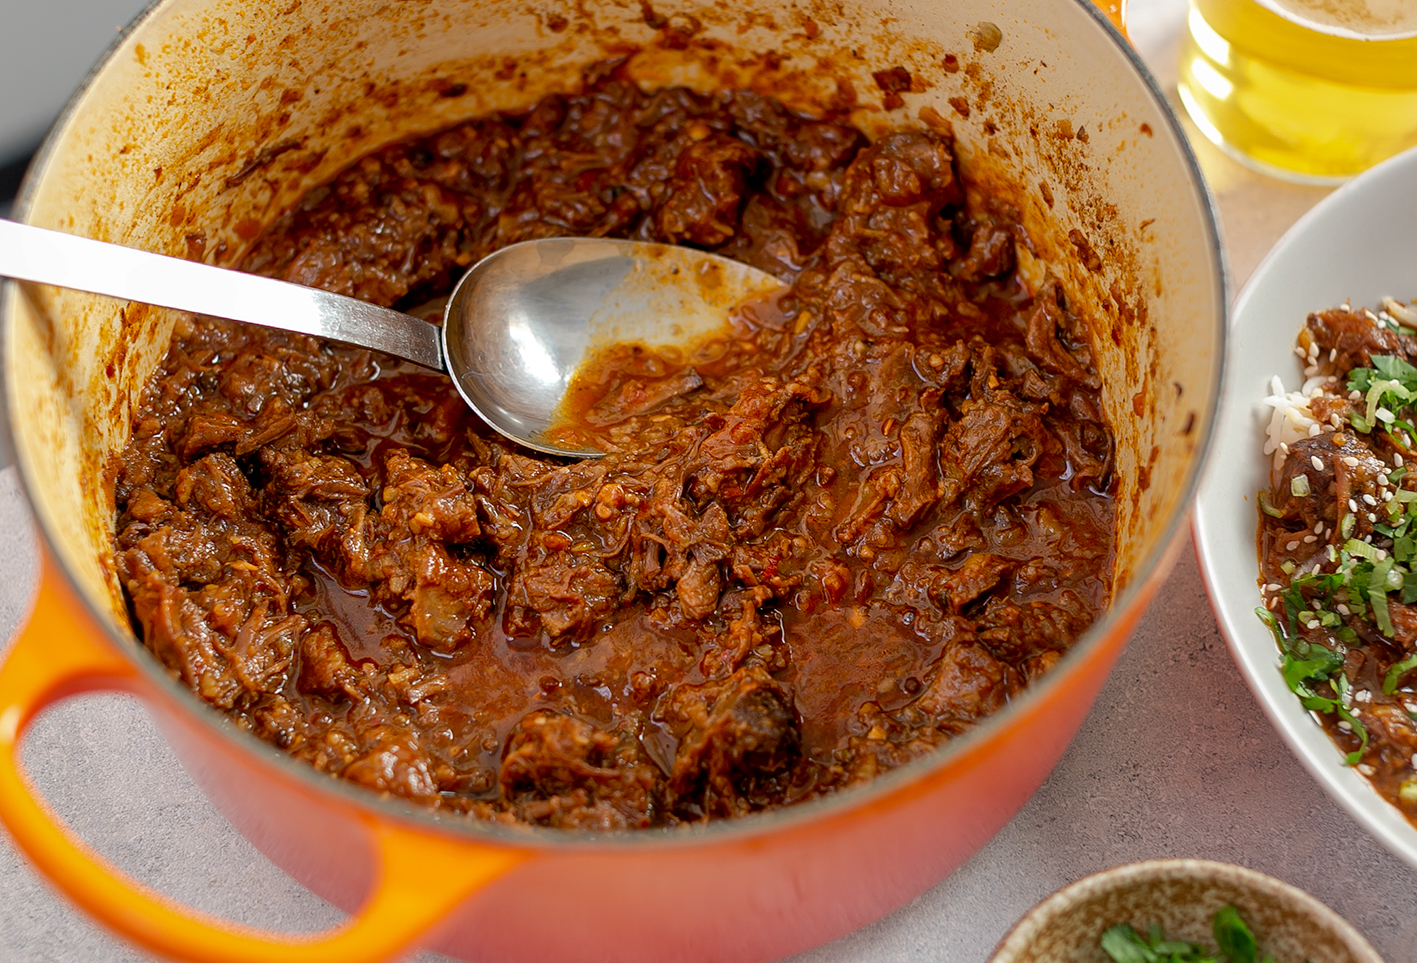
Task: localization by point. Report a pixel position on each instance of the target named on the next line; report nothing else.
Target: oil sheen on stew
(820, 547)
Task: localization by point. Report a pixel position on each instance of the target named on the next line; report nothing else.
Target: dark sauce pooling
(818, 549)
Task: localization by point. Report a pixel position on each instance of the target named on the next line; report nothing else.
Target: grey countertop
(1176, 759)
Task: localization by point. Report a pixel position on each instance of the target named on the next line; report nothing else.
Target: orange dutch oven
(209, 117)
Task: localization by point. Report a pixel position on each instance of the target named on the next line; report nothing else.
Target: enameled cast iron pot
(209, 117)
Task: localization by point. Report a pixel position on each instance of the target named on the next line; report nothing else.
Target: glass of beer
(1309, 90)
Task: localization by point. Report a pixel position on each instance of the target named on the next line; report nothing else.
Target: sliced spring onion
(1361, 549)
(1377, 595)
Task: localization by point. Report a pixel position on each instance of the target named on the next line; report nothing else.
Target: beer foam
(1358, 19)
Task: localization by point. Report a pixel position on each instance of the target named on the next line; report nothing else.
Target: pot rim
(881, 788)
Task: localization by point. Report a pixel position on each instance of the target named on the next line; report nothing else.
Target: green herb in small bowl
(1195, 911)
(1236, 943)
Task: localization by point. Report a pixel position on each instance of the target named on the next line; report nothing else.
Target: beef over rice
(1338, 538)
(818, 549)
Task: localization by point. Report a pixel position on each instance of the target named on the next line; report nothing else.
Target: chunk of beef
(635, 396)
(1015, 631)
(967, 684)
(566, 594)
(1329, 484)
(394, 763)
(707, 190)
(325, 666)
(990, 450)
(1044, 346)
(740, 733)
(562, 771)
(216, 483)
(1348, 339)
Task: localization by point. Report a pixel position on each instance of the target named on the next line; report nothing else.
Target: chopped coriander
(1236, 941)
(1233, 936)
(1309, 669)
(1395, 674)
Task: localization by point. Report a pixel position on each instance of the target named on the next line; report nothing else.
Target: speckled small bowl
(1182, 895)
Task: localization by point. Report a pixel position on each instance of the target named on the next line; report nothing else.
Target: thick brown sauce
(819, 546)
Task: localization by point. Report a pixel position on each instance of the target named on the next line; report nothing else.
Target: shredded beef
(819, 546)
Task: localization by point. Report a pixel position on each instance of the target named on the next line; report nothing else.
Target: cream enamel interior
(212, 116)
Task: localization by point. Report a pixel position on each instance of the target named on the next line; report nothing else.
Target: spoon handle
(49, 257)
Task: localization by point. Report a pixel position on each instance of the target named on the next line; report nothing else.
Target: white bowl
(1359, 244)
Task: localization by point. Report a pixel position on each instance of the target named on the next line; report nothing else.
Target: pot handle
(420, 877)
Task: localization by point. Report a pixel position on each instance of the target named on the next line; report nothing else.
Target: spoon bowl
(525, 319)
(517, 327)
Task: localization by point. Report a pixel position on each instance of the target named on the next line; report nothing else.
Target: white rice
(1290, 418)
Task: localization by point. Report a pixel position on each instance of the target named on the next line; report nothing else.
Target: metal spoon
(515, 329)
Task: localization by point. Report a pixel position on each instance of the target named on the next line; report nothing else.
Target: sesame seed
(1291, 546)
(1380, 554)
(1383, 480)
(1343, 609)
(1369, 499)
(1317, 462)
(1362, 695)
(1343, 724)
(1352, 506)
(1314, 430)
(1335, 421)
(1372, 518)
(1355, 396)
(1365, 769)
(1333, 354)
(1319, 528)
(1387, 496)
(1397, 458)
(1310, 539)
(1350, 461)
(1414, 760)
(1299, 350)
(1284, 447)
